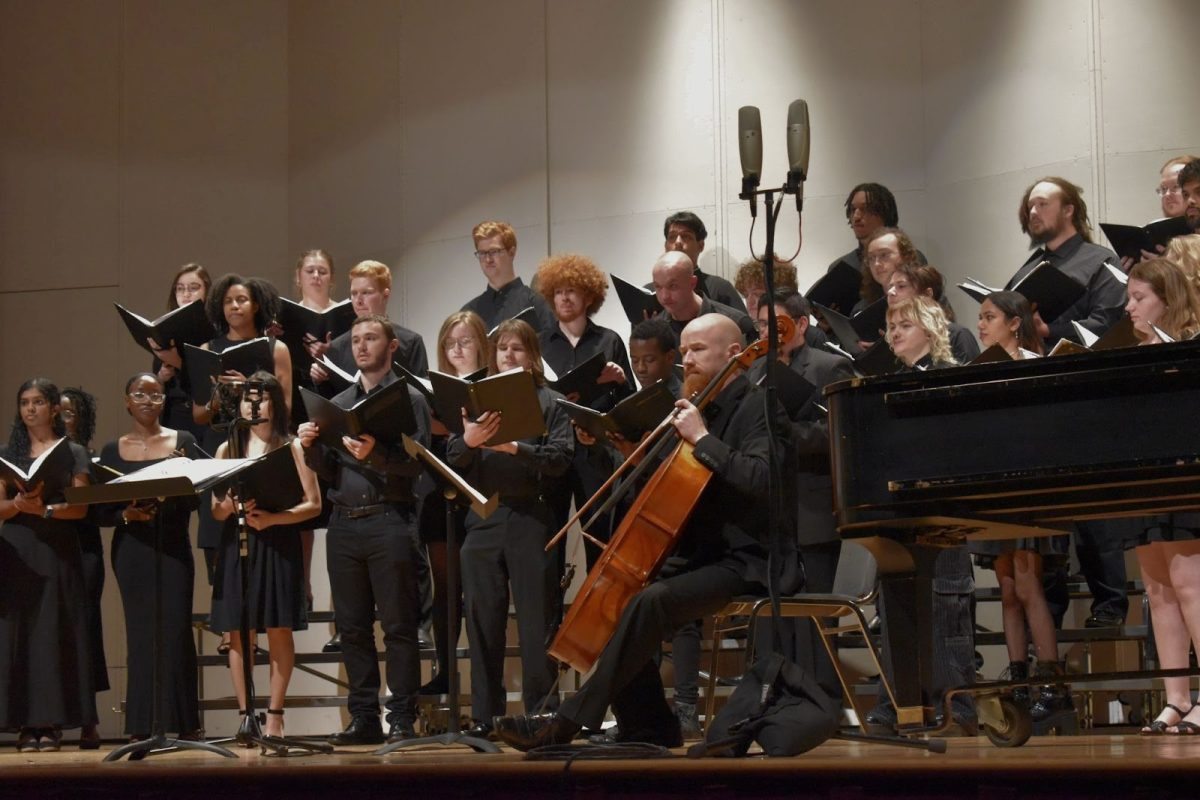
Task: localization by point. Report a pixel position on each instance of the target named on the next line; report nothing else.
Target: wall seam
(546, 114)
(721, 208)
(1096, 90)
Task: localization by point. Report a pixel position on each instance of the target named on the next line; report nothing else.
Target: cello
(649, 531)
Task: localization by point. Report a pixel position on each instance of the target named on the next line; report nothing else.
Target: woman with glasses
(190, 285)
(137, 524)
(45, 677)
(77, 409)
(462, 350)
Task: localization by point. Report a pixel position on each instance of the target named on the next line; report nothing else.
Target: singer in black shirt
(506, 295)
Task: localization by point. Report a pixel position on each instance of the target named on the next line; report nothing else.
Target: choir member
(370, 288)
(462, 350)
(276, 562)
(45, 670)
(684, 232)
(78, 411)
(869, 207)
(918, 333)
(1006, 319)
(575, 288)
(886, 249)
(506, 295)
(191, 284)
(372, 545)
(1169, 547)
(910, 280)
(652, 354)
(751, 283)
(508, 548)
(137, 526)
(675, 282)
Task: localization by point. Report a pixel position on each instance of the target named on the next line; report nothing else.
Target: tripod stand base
(160, 743)
(250, 735)
(444, 739)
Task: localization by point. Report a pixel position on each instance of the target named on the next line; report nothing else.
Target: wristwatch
(48, 512)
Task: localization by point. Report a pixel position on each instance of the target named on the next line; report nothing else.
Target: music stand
(130, 489)
(457, 493)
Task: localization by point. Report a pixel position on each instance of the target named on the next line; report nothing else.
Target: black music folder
(339, 380)
(862, 327)
(791, 388)
(1130, 240)
(512, 393)
(301, 323)
(205, 366)
(386, 414)
(639, 303)
(270, 480)
(528, 315)
(878, 359)
(632, 417)
(53, 469)
(187, 324)
(1050, 290)
(581, 380)
(837, 289)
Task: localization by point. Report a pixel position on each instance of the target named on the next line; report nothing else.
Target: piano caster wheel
(1014, 729)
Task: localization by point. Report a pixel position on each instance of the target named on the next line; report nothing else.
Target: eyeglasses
(484, 255)
(1163, 191)
(464, 343)
(879, 258)
(156, 398)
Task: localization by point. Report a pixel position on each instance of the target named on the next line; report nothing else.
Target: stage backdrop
(137, 135)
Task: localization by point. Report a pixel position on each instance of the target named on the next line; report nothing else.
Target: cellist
(722, 553)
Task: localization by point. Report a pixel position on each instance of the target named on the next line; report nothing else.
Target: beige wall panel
(205, 139)
(864, 100)
(344, 127)
(1148, 58)
(1007, 85)
(473, 105)
(631, 107)
(59, 117)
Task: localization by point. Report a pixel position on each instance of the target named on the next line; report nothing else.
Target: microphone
(750, 151)
(798, 147)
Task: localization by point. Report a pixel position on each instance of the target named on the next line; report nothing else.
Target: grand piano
(925, 460)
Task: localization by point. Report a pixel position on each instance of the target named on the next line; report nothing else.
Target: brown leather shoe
(527, 731)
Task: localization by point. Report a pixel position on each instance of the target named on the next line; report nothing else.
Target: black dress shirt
(388, 475)
(562, 356)
(1103, 302)
(410, 353)
(497, 305)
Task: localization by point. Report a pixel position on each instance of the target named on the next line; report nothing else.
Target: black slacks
(508, 549)
(626, 676)
(372, 564)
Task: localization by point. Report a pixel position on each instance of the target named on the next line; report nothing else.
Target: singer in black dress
(276, 560)
(78, 411)
(191, 284)
(148, 443)
(45, 674)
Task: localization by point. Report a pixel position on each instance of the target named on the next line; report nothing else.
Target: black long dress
(45, 669)
(276, 579)
(133, 564)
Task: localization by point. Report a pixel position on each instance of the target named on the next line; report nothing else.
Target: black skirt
(276, 580)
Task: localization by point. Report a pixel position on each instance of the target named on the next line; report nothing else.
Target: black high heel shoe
(276, 712)
(1159, 726)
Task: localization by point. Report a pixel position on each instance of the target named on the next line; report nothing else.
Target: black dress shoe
(439, 684)
(1104, 619)
(400, 730)
(481, 730)
(361, 730)
(528, 731)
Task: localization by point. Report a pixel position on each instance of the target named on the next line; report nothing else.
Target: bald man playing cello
(722, 552)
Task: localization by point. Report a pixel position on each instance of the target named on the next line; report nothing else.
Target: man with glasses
(869, 207)
(506, 295)
(1170, 197)
(684, 232)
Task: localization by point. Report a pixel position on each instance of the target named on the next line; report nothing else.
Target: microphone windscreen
(798, 137)
(750, 141)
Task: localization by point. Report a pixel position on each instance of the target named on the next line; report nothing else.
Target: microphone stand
(249, 733)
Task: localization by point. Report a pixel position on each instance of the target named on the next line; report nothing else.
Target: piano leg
(906, 592)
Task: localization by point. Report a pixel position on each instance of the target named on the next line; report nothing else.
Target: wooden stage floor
(1114, 767)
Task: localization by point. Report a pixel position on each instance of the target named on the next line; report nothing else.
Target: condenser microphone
(750, 150)
(798, 147)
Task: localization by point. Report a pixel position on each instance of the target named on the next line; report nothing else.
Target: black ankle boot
(1054, 698)
(1015, 672)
